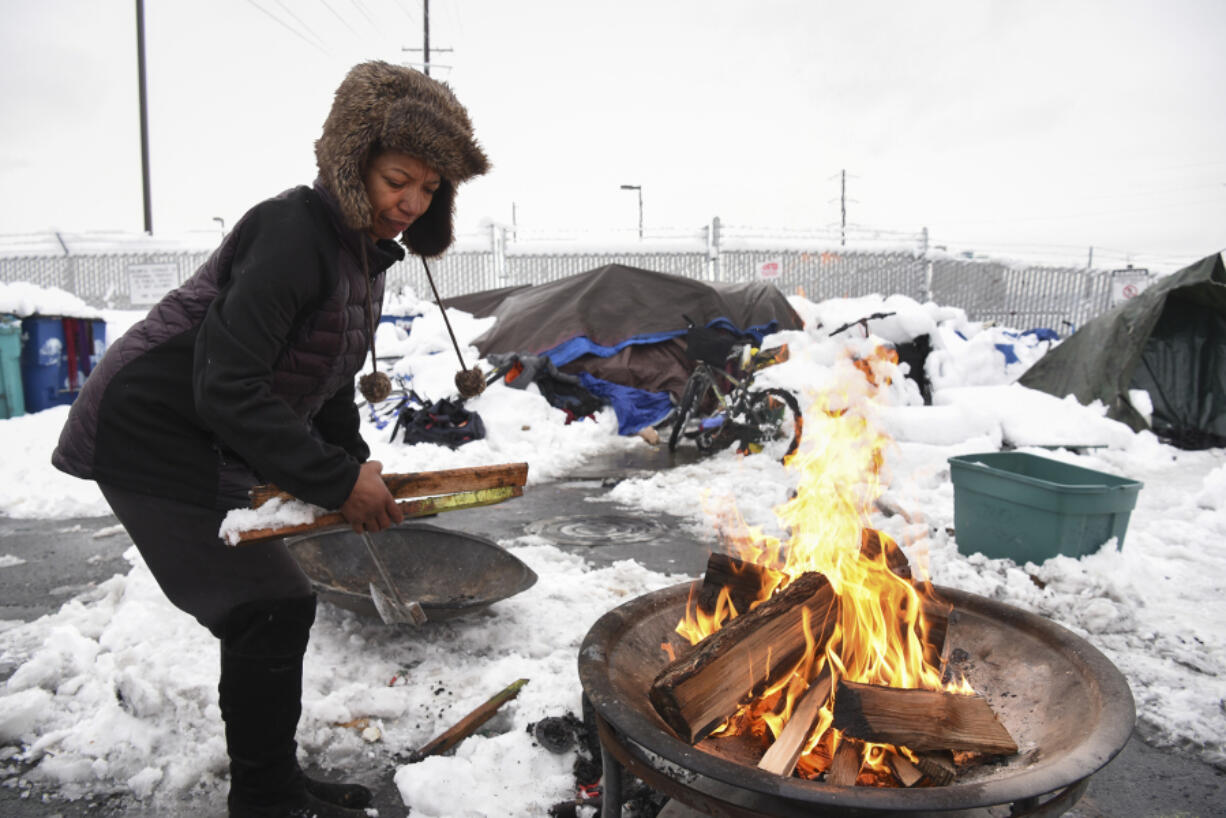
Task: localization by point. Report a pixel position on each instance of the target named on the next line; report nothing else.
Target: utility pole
(639, 188)
(425, 39)
(843, 209)
(144, 112)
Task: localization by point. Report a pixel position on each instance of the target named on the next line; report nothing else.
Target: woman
(245, 374)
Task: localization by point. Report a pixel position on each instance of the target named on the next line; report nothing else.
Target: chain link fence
(1023, 297)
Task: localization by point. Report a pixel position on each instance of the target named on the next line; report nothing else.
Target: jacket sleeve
(279, 270)
(338, 421)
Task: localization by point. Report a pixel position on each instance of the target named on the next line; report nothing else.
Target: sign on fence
(1130, 283)
(147, 283)
(770, 268)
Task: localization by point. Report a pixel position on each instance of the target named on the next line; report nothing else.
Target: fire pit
(1069, 709)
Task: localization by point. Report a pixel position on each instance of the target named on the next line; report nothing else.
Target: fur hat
(380, 106)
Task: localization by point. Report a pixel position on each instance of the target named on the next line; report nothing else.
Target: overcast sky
(1010, 128)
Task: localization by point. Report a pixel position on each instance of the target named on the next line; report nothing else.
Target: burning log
(938, 766)
(845, 766)
(745, 582)
(697, 692)
(907, 773)
(872, 543)
(919, 719)
(781, 757)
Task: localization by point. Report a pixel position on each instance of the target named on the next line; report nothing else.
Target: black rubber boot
(340, 793)
(260, 693)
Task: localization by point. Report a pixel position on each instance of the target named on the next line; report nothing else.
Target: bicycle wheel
(695, 387)
(774, 424)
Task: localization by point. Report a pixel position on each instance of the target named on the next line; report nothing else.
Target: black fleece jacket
(243, 373)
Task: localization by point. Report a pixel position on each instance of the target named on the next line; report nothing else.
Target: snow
(24, 299)
(117, 689)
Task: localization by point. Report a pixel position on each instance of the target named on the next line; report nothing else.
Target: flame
(882, 636)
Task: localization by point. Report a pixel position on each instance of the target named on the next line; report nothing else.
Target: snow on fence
(1018, 296)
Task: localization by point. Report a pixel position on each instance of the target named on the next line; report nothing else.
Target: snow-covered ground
(117, 689)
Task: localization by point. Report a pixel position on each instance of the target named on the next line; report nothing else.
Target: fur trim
(384, 106)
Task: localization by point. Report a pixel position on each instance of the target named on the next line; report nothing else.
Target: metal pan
(449, 573)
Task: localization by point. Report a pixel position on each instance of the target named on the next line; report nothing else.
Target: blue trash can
(57, 356)
(12, 395)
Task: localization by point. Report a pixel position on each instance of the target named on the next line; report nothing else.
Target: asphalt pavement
(64, 557)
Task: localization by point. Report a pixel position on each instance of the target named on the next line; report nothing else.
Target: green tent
(1169, 341)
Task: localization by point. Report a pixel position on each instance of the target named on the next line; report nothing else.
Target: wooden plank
(907, 773)
(781, 757)
(698, 691)
(919, 719)
(425, 507)
(466, 726)
(845, 766)
(422, 484)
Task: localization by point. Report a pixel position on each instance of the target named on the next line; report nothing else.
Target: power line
(407, 14)
(338, 16)
(291, 13)
(362, 9)
(290, 28)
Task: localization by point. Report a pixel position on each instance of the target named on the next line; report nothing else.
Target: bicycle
(719, 405)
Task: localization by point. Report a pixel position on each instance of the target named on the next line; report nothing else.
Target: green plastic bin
(12, 395)
(1029, 508)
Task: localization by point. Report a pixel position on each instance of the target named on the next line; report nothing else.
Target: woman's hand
(370, 506)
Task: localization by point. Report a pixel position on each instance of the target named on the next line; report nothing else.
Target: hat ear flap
(431, 234)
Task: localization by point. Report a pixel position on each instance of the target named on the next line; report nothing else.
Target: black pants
(198, 572)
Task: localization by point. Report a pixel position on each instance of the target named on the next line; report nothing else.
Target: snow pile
(23, 299)
(117, 689)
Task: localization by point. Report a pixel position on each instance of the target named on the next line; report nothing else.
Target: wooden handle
(423, 484)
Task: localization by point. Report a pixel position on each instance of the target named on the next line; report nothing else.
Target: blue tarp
(581, 345)
(636, 409)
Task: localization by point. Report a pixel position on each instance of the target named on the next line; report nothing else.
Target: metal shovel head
(392, 612)
(448, 573)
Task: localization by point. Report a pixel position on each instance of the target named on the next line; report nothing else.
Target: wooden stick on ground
(697, 692)
(466, 726)
(919, 719)
(781, 757)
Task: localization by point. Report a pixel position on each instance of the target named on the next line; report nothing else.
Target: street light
(639, 188)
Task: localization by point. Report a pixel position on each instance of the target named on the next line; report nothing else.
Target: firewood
(845, 766)
(698, 691)
(781, 757)
(873, 542)
(937, 766)
(907, 773)
(468, 725)
(919, 719)
(744, 581)
(424, 484)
